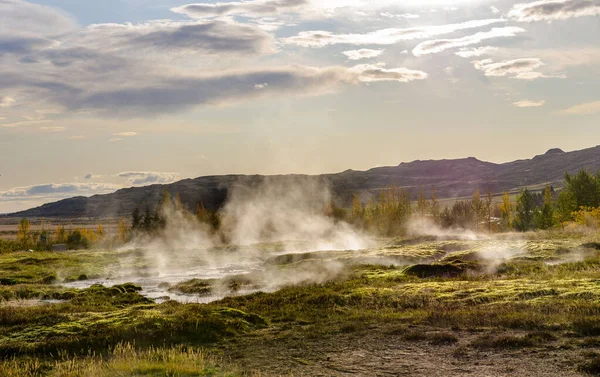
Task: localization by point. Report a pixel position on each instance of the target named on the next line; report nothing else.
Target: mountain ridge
(450, 177)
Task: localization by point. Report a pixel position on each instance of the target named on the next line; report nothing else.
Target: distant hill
(451, 178)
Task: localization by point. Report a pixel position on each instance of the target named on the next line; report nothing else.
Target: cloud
(251, 8)
(587, 108)
(52, 190)
(24, 123)
(6, 101)
(522, 69)
(439, 45)
(53, 129)
(174, 94)
(528, 103)
(126, 134)
(213, 37)
(137, 178)
(23, 44)
(363, 53)
(494, 9)
(474, 52)
(114, 140)
(18, 16)
(381, 37)
(405, 15)
(88, 176)
(378, 72)
(76, 137)
(552, 10)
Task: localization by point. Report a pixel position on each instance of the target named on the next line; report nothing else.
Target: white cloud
(494, 9)
(404, 15)
(24, 123)
(53, 129)
(587, 108)
(115, 139)
(381, 37)
(6, 101)
(125, 134)
(528, 103)
(552, 10)
(363, 53)
(477, 51)
(522, 69)
(21, 17)
(76, 137)
(250, 8)
(378, 72)
(138, 178)
(439, 45)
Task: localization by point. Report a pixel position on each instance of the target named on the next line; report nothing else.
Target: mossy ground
(502, 296)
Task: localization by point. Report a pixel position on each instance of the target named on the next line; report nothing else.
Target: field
(457, 305)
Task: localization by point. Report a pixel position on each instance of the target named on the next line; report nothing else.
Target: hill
(451, 178)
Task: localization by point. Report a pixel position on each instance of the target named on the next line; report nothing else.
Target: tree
(358, 210)
(136, 219)
(584, 188)
(435, 205)
(506, 211)
(478, 208)
(565, 206)
(546, 218)
(60, 236)
(422, 204)
(123, 231)
(488, 209)
(148, 223)
(23, 234)
(526, 211)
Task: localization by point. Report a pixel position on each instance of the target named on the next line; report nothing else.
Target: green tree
(358, 210)
(526, 211)
(136, 219)
(584, 188)
(546, 219)
(565, 206)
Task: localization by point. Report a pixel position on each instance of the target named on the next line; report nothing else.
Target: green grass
(125, 360)
(545, 294)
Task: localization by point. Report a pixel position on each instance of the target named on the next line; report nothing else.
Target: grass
(538, 300)
(124, 360)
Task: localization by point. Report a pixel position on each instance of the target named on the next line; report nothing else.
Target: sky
(100, 95)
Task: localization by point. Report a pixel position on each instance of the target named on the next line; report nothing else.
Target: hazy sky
(99, 95)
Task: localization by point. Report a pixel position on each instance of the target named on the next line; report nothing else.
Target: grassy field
(526, 305)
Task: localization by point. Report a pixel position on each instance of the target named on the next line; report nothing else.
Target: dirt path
(379, 354)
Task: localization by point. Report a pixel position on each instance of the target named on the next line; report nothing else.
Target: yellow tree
(422, 204)
(435, 205)
(60, 236)
(506, 211)
(478, 207)
(357, 209)
(23, 234)
(123, 231)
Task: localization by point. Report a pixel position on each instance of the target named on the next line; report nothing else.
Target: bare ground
(376, 352)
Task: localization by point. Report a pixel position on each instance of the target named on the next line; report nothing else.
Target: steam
(288, 210)
(260, 221)
(423, 226)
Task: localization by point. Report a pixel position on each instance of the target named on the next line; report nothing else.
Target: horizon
(97, 97)
(60, 198)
